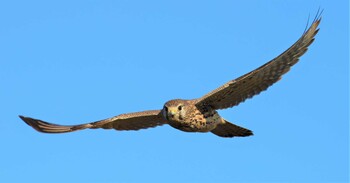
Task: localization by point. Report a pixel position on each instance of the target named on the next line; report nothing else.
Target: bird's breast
(197, 121)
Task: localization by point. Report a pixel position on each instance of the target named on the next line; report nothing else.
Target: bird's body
(200, 115)
(186, 116)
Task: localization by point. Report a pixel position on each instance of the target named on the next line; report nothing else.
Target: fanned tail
(228, 129)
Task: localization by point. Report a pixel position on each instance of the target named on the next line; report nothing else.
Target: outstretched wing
(129, 121)
(258, 80)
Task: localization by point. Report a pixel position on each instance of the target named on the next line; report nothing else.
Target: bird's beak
(172, 112)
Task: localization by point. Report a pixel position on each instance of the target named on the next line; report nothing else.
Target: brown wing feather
(129, 121)
(256, 81)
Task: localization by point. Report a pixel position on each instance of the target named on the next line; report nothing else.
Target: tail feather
(228, 129)
(46, 127)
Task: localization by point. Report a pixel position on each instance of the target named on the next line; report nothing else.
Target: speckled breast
(198, 121)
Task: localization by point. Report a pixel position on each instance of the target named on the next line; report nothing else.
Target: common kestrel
(200, 115)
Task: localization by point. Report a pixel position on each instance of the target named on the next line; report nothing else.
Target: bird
(200, 114)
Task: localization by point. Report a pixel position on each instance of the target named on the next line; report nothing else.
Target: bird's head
(174, 110)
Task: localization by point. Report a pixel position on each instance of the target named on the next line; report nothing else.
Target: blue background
(72, 62)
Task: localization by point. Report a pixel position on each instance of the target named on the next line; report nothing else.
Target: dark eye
(179, 108)
(165, 108)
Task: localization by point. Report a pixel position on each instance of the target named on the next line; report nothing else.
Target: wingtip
(32, 123)
(318, 16)
(25, 119)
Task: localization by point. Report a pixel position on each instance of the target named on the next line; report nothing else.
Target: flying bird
(200, 115)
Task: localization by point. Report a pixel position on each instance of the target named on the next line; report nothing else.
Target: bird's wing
(258, 80)
(128, 121)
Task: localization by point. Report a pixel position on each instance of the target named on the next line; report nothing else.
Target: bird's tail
(227, 129)
(46, 127)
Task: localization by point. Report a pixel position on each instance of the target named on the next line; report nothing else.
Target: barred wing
(128, 121)
(258, 80)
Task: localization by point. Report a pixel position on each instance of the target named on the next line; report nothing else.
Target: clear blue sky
(73, 62)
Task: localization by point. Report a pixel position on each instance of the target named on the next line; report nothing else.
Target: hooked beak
(171, 113)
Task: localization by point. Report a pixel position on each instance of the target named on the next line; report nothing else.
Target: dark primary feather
(258, 80)
(129, 121)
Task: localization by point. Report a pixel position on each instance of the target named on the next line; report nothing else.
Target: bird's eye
(165, 108)
(179, 107)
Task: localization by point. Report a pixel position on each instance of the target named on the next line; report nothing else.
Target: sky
(72, 62)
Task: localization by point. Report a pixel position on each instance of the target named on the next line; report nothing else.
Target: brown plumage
(200, 115)
(129, 121)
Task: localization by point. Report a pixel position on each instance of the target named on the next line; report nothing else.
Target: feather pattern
(238, 90)
(200, 115)
(128, 121)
